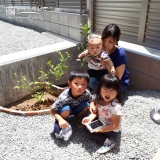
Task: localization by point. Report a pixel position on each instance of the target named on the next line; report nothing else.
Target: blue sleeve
(119, 58)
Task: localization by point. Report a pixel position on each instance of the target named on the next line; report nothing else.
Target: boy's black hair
(112, 30)
(78, 73)
(110, 81)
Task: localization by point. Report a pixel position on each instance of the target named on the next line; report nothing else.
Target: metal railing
(72, 4)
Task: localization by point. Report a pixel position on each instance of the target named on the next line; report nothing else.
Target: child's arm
(54, 109)
(112, 69)
(93, 109)
(89, 119)
(106, 61)
(83, 54)
(92, 116)
(115, 124)
(62, 122)
(109, 65)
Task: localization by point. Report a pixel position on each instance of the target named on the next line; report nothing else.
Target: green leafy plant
(38, 96)
(85, 31)
(43, 81)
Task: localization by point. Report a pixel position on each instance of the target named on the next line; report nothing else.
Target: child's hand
(87, 58)
(93, 109)
(63, 123)
(113, 71)
(86, 120)
(105, 62)
(97, 130)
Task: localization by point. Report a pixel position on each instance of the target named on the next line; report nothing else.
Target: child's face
(78, 86)
(95, 47)
(109, 44)
(108, 94)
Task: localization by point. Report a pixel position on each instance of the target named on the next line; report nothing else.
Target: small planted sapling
(43, 82)
(85, 31)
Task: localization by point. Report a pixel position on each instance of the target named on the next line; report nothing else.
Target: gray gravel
(14, 38)
(31, 138)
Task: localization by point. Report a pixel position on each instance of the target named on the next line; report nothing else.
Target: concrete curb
(24, 113)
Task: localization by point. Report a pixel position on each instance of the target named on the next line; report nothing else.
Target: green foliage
(85, 31)
(38, 96)
(21, 82)
(43, 83)
(58, 70)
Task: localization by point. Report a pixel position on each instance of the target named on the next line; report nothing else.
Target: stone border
(24, 113)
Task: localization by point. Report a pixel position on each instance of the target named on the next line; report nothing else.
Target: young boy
(95, 54)
(73, 101)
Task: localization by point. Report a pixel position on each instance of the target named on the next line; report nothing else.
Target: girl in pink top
(107, 106)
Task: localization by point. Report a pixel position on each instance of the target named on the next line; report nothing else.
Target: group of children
(77, 99)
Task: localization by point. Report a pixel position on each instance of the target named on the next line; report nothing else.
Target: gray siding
(139, 20)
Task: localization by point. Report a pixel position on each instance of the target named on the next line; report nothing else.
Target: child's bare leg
(85, 111)
(80, 116)
(65, 114)
(61, 124)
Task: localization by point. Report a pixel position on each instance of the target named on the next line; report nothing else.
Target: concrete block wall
(28, 63)
(144, 71)
(61, 23)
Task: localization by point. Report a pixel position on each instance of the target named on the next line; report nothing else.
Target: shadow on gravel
(79, 137)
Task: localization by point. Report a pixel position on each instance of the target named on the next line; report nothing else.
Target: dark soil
(30, 104)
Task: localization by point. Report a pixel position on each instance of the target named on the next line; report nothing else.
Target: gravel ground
(31, 138)
(14, 38)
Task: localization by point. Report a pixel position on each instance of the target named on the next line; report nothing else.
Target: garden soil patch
(30, 104)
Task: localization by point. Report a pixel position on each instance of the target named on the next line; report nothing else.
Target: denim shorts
(75, 110)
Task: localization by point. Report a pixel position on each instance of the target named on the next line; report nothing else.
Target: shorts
(75, 110)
